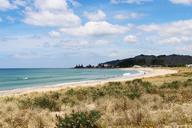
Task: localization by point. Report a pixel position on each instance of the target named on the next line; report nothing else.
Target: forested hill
(151, 60)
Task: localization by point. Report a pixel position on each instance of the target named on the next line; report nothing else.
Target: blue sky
(62, 33)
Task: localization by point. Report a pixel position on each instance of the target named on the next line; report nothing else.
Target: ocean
(30, 78)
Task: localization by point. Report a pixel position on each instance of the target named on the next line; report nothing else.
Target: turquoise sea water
(26, 78)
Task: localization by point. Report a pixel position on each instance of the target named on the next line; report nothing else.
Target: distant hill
(150, 60)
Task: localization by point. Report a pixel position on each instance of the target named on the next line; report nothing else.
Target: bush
(82, 94)
(134, 92)
(79, 120)
(137, 81)
(70, 92)
(114, 83)
(134, 89)
(97, 93)
(25, 103)
(46, 102)
(69, 101)
(172, 85)
(43, 101)
(149, 88)
(8, 99)
(188, 83)
(55, 95)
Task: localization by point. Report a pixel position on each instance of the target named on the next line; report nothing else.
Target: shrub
(136, 88)
(97, 93)
(137, 81)
(46, 102)
(79, 120)
(55, 95)
(82, 94)
(149, 88)
(25, 103)
(43, 102)
(70, 92)
(188, 83)
(170, 98)
(114, 83)
(172, 85)
(134, 92)
(69, 101)
(8, 99)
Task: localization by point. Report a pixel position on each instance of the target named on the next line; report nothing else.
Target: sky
(63, 33)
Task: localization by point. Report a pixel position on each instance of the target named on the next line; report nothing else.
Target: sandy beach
(143, 73)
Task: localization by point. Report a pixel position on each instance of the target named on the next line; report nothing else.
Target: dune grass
(150, 102)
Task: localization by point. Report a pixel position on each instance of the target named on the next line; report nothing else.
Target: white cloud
(12, 4)
(101, 42)
(168, 33)
(81, 43)
(27, 55)
(48, 18)
(129, 1)
(186, 2)
(130, 39)
(73, 43)
(114, 54)
(51, 5)
(92, 28)
(55, 34)
(174, 40)
(5, 5)
(130, 15)
(182, 27)
(51, 13)
(149, 28)
(95, 16)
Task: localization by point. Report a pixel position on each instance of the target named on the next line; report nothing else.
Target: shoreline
(143, 73)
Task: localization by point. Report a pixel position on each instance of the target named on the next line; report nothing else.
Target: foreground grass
(151, 102)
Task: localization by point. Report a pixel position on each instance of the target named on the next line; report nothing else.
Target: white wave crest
(25, 78)
(126, 74)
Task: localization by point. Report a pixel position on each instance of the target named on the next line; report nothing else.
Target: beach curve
(143, 73)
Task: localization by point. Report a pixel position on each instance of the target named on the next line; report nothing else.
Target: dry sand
(144, 72)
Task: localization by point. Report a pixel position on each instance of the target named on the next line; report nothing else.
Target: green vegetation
(151, 102)
(44, 101)
(150, 60)
(78, 120)
(172, 85)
